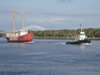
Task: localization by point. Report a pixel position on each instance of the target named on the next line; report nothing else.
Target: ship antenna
(81, 27)
(23, 20)
(13, 21)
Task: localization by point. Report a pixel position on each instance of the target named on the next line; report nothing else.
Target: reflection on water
(49, 57)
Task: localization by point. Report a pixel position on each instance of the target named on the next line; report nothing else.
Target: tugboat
(19, 36)
(82, 39)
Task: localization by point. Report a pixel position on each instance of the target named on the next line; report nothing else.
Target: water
(49, 57)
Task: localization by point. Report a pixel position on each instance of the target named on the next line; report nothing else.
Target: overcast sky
(51, 14)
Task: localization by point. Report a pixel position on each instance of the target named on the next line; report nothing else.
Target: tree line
(2, 35)
(91, 32)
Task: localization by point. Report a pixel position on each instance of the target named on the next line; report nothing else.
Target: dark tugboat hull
(78, 42)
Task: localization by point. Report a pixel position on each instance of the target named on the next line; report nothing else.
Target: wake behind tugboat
(82, 39)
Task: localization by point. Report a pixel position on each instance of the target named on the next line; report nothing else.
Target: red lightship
(19, 36)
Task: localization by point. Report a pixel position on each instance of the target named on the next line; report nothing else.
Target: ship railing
(11, 34)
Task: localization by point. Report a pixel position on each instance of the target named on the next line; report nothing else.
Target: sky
(50, 14)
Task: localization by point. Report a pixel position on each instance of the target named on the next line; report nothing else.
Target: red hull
(25, 38)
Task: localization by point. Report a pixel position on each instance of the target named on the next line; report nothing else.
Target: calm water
(49, 57)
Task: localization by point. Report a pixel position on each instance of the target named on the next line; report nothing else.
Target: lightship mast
(13, 22)
(23, 21)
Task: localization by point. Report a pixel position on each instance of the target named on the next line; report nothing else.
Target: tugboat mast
(81, 27)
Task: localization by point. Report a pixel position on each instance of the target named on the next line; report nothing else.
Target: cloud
(35, 28)
(79, 19)
(66, 0)
(59, 14)
(29, 12)
(50, 20)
